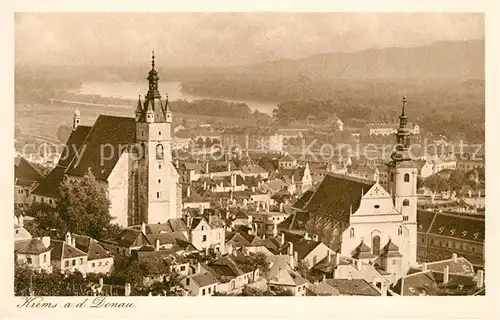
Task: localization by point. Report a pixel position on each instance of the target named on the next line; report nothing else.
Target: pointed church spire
(139, 105)
(153, 59)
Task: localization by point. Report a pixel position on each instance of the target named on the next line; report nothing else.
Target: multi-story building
(130, 158)
(345, 212)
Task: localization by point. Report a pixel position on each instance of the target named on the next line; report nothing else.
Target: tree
(84, 207)
(457, 179)
(279, 291)
(259, 261)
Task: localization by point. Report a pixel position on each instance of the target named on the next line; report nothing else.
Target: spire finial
(404, 105)
(153, 59)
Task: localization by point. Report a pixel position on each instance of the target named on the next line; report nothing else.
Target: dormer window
(452, 232)
(476, 235)
(464, 233)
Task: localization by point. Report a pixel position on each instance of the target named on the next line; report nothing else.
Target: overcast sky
(215, 39)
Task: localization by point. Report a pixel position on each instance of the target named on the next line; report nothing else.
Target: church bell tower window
(159, 152)
(407, 177)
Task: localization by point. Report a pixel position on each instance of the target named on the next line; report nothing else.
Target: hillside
(454, 60)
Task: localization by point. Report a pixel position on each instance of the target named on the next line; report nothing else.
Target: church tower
(402, 184)
(156, 179)
(76, 119)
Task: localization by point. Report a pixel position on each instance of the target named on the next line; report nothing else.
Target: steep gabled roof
(115, 132)
(335, 196)
(90, 246)
(49, 186)
(62, 250)
(75, 141)
(24, 171)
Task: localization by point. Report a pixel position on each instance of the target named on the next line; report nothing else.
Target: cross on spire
(404, 105)
(153, 59)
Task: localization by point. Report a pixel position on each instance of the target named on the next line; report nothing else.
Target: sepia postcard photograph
(247, 154)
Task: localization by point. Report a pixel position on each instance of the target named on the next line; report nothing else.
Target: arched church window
(351, 233)
(376, 245)
(407, 177)
(159, 151)
(406, 202)
(400, 230)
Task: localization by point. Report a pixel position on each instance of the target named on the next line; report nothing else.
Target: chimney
(157, 244)
(454, 257)
(229, 166)
(101, 282)
(204, 185)
(337, 259)
(143, 227)
(188, 220)
(282, 239)
(202, 210)
(480, 278)
(68, 238)
(306, 236)
(127, 289)
(207, 167)
(329, 256)
(446, 274)
(21, 221)
(275, 230)
(229, 249)
(73, 242)
(383, 288)
(46, 241)
(198, 267)
(188, 191)
(177, 163)
(295, 259)
(290, 249)
(253, 188)
(282, 207)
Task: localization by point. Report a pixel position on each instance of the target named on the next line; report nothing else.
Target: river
(131, 90)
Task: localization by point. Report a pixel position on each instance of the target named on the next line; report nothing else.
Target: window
(203, 292)
(202, 228)
(81, 261)
(159, 166)
(159, 151)
(392, 176)
(183, 268)
(100, 263)
(44, 258)
(394, 261)
(159, 180)
(209, 290)
(66, 263)
(400, 231)
(50, 201)
(73, 262)
(29, 260)
(17, 231)
(106, 263)
(407, 177)
(158, 195)
(405, 218)
(118, 250)
(93, 265)
(204, 238)
(351, 233)
(406, 202)
(187, 281)
(376, 206)
(376, 245)
(159, 133)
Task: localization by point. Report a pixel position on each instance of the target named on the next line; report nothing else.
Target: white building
(130, 158)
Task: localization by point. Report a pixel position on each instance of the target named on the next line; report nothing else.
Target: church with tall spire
(362, 219)
(130, 158)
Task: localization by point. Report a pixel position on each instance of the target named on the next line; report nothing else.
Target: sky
(218, 39)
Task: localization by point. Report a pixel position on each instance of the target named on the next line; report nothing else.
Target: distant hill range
(454, 60)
